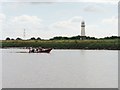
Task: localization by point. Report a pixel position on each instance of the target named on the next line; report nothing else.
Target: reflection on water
(60, 69)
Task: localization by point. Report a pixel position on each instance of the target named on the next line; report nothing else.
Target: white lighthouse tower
(82, 30)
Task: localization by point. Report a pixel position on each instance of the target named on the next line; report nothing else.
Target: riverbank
(112, 44)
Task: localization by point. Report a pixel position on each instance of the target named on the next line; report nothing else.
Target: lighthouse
(83, 30)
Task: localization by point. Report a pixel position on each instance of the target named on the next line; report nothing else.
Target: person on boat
(37, 50)
(40, 49)
(30, 49)
(33, 50)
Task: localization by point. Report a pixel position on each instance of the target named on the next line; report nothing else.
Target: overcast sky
(57, 18)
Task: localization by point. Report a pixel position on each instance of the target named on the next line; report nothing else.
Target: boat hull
(45, 51)
(42, 51)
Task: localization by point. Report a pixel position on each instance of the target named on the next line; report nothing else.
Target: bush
(38, 38)
(33, 38)
(18, 38)
(7, 38)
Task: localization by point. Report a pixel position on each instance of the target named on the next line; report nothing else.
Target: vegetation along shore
(106, 43)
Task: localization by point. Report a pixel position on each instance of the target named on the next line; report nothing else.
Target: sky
(58, 18)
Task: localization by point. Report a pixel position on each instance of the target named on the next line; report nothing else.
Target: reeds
(112, 44)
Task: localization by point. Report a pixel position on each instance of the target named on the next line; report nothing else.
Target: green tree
(33, 38)
(18, 38)
(7, 38)
(12, 39)
(38, 38)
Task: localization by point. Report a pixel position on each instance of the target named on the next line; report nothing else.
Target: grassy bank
(64, 44)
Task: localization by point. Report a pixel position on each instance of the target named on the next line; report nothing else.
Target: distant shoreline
(54, 48)
(112, 44)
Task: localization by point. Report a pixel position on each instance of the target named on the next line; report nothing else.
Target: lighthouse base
(83, 38)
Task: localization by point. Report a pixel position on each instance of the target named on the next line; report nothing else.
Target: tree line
(72, 38)
(33, 38)
(67, 38)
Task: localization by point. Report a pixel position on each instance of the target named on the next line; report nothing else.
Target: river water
(60, 69)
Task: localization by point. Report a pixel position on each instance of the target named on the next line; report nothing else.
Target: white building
(83, 29)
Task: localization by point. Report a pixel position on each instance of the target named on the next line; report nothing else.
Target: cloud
(2, 22)
(93, 1)
(27, 21)
(68, 24)
(68, 27)
(62, 24)
(2, 18)
(94, 8)
(76, 19)
(15, 25)
(101, 1)
(113, 20)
